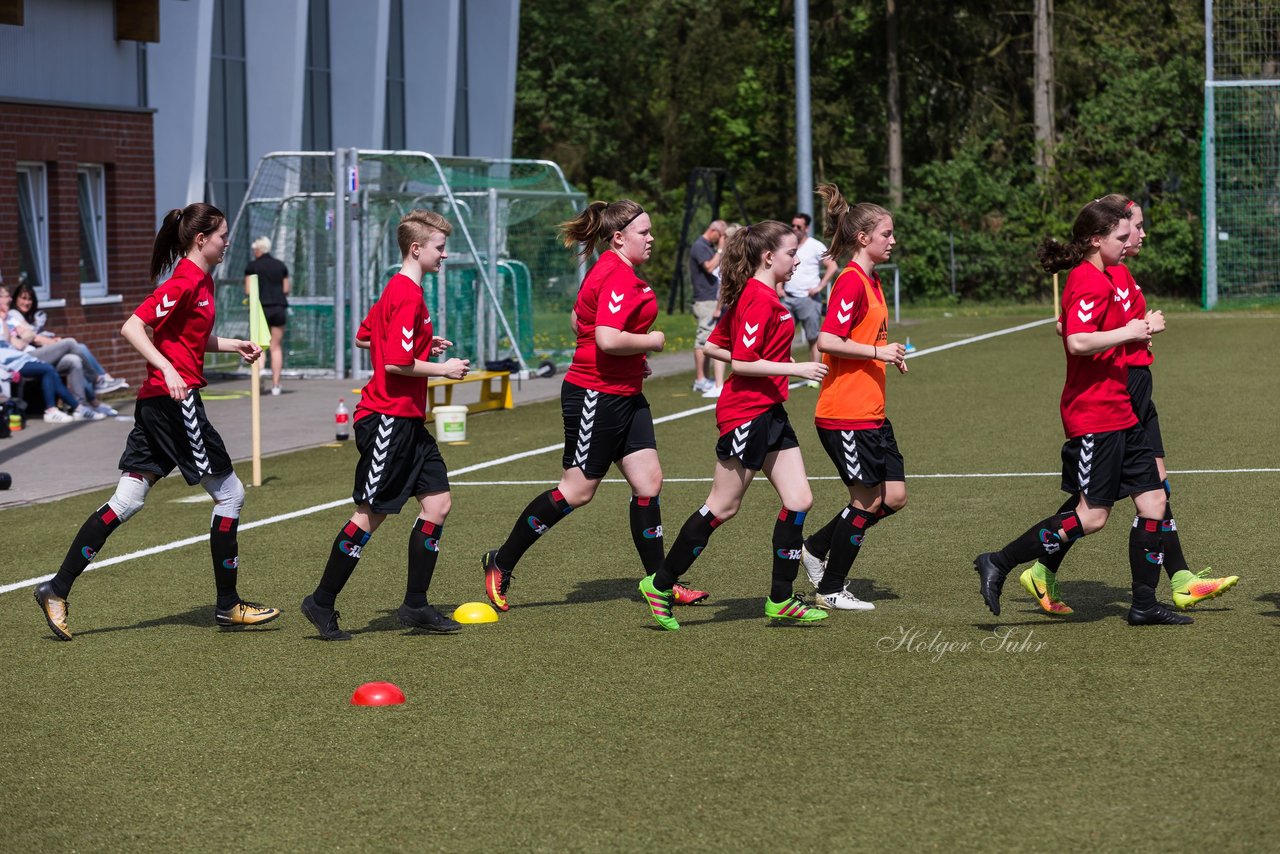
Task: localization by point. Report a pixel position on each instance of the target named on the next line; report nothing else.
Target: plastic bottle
(342, 421)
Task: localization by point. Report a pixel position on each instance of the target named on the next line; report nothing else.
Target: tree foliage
(630, 96)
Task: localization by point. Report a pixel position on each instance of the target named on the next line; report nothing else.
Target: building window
(91, 185)
(227, 160)
(317, 130)
(33, 228)
(393, 123)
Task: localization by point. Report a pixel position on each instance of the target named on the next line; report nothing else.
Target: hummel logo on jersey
(845, 312)
(751, 332)
(407, 343)
(349, 548)
(202, 304)
(645, 290)
(231, 563)
(538, 527)
(165, 305)
(653, 533)
(789, 554)
(739, 440)
(1085, 467)
(615, 302)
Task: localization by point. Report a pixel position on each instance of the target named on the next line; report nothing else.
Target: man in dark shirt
(273, 293)
(704, 272)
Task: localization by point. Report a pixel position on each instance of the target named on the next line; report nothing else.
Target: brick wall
(61, 138)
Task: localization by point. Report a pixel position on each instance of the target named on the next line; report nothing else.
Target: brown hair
(178, 231)
(417, 225)
(30, 314)
(845, 223)
(743, 255)
(598, 223)
(1096, 219)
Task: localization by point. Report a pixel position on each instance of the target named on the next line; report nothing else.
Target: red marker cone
(377, 694)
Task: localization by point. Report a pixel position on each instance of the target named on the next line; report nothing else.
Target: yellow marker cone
(475, 612)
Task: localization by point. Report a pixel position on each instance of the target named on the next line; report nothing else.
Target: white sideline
(546, 449)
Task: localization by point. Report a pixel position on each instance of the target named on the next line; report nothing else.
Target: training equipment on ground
(471, 613)
(377, 694)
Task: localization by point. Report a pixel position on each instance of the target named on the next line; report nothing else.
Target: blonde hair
(262, 244)
(845, 223)
(417, 225)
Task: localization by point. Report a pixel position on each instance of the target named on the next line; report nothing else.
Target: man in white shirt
(814, 271)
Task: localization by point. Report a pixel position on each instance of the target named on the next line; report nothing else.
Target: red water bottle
(342, 421)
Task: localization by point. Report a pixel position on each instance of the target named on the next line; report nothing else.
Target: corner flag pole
(257, 328)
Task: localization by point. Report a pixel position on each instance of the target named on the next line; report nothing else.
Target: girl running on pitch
(173, 329)
(1106, 456)
(850, 416)
(754, 334)
(606, 417)
(1040, 580)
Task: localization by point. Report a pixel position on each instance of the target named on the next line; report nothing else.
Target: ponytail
(597, 224)
(178, 231)
(744, 253)
(1096, 219)
(845, 223)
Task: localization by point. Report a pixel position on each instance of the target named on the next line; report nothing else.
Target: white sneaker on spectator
(104, 385)
(814, 566)
(56, 416)
(87, 413)
(106, 410)
(712, 392)
(275, 391)
(703, 385)
(842, 600)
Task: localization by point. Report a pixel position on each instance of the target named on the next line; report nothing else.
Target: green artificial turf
(573, 724)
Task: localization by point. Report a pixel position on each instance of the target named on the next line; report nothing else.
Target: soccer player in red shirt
(606, 417)
(1040, 580)
(398, 457)
(754, 334)
(172, 329)
(1106, 455)
(850, 415)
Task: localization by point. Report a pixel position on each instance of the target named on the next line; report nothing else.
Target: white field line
(546, 449)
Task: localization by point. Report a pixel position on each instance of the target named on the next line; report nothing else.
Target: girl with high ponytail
(606, 416)
(172, 330)
(754, 334)
(1106, 456)
(850, 416)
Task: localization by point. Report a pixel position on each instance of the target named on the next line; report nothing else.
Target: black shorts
(167, 434)
(277, 315)
(1109, 466)
(750, 443)
(600, 428)
(1144, 407)
(398, 459)
(869, 457)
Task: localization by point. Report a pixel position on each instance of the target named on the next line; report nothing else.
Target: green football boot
(660, 603)
(794, 608)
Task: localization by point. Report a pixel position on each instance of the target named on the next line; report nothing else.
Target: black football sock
(343, 557)
(225, 552)
(1174, 559)
(788, 537)
(1040, 540)
(1144, 560)
(689, 543)
(535, 520)
(1051, 562)
(424, 550)
(646, 532)
(819, 542)
(844, 548)
(90, 539)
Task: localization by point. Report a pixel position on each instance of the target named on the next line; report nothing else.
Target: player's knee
(129, 497)
(227, 492)
(1093, 519)
(437, 506)
(894, 503)
(1151, 505)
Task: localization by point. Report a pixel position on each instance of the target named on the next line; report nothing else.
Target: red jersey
(398, 329)
(852, 396)
(612, 295)
(1136, 354)
(758, 326)
(1095, 398)
(180, 313)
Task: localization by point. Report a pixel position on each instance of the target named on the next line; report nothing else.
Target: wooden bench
(495, 390)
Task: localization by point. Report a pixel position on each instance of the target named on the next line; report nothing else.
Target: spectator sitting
(18, 337)
(26, 305)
